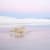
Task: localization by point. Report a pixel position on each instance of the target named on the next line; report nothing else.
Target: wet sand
(39, 39)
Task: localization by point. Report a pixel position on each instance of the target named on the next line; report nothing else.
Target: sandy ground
(39, 39)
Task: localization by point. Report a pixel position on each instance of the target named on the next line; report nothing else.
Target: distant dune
(29, 21)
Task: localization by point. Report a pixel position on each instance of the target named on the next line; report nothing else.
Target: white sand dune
(6, 21)
(13, 20)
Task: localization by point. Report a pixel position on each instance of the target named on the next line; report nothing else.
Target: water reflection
(19, 32)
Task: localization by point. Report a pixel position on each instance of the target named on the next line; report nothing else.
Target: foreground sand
(39, 39)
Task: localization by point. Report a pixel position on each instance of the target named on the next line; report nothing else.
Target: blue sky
(26, 15)
(25, 8)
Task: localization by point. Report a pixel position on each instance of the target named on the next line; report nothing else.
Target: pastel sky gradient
(28, 7)
(25, 5)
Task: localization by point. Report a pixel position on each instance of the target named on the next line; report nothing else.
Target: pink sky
(25, 6)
